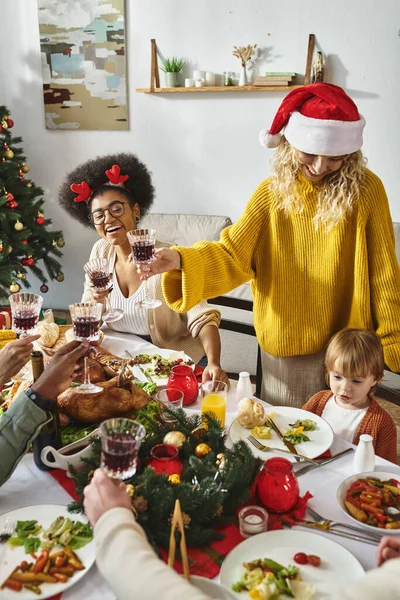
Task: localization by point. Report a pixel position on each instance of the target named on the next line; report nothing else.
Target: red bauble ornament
(9, 197)
(1, 129)
(44, 289)
(40, 220)
(22, 179)
(5, 147)
(10, 123)
(23, 261)
(12, 204)
(1, 249)
(25, 242)
(30, 262)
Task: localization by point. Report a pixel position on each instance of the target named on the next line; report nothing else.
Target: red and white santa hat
(319, 118)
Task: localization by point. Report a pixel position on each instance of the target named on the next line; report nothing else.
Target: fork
(7, 530)
(337, 524)
(145, 375)
(263, 448)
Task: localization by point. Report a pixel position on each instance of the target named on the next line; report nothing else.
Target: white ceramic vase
(243, 76)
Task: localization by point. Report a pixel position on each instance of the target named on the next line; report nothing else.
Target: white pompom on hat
(319, 118)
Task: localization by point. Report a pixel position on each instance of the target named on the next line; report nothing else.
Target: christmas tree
(26, 245)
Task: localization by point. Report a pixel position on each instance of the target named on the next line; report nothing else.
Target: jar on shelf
(277, 485)
(182, 378)
(229, 78)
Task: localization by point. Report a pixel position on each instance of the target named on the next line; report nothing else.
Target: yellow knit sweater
(307, 284)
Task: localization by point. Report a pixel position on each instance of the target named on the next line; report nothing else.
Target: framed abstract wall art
(83, 64)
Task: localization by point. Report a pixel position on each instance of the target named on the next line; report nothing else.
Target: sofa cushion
(184, 230)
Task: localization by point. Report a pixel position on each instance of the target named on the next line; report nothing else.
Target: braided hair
(137, 189)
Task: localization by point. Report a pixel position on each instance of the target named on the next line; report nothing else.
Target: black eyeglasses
(116, 209)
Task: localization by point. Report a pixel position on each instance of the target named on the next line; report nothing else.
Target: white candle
(253, 519)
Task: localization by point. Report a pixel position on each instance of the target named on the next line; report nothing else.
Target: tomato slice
(300, 558)
(313, 560)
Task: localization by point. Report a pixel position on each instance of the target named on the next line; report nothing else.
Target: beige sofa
(239, 353)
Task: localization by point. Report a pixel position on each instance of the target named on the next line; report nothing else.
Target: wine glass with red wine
(143, 242)
(25, 310)
(86, 321)
(120, 443)
(98, 271)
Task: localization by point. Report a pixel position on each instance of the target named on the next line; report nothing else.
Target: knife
(307, 468)
(291, 447)
(323, 527)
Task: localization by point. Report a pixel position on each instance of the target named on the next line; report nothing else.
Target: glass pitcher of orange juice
(213, 396)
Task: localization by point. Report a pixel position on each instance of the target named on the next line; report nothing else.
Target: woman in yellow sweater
(316, 240)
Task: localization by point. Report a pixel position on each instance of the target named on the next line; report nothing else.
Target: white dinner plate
(212, 588)
(338, 566)
(164, 353)
(341, 497)
(12, 556)
(320, 440)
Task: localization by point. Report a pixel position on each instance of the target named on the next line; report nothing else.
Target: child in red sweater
(354, 365)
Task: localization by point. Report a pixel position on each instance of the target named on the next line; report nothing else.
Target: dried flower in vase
(244, 53)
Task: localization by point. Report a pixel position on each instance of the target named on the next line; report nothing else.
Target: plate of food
(48, 552)
(372, 500)
(155, 366)
(310, 434)
(282, 563)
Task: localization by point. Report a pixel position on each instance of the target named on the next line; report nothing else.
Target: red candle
(164, 459)
(182, 378)
(277, 485)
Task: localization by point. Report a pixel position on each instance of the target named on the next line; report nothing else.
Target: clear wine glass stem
(86, 371)
(107, 305)
(146, 270)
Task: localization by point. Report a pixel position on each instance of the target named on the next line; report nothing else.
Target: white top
(134, 319)
(344, 422)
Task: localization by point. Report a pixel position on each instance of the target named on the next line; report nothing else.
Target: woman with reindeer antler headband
(112, 193)
(316, 240)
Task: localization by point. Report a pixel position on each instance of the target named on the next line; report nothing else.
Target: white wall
(203, 149)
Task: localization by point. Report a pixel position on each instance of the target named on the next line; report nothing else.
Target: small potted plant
(172, 67)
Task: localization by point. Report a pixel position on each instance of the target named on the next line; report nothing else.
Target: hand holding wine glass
(25, 310)
(142, 242)
(164, 259)
(98, 271)
(86, 321)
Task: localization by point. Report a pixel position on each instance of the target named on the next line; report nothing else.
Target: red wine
(86, 327)
(25, 319)
(142, 252)
(119, 458)
(100, 279)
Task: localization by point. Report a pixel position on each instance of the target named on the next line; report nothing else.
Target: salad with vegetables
(63, 531)
(296, 434)
(266, 579)
(375, 502)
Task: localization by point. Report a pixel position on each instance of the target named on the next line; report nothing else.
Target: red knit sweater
(377, 422)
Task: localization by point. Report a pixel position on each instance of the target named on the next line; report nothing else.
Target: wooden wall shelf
(215, 88)
(156, 89)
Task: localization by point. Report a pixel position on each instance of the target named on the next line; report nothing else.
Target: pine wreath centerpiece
(214, 482)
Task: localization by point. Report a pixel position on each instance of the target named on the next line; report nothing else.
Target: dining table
(30, 486)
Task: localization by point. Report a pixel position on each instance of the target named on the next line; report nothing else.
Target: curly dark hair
(139, 184)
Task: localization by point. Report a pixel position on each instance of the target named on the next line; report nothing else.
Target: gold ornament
(175, 438)
(220, 457)
(18, 226)
(130, 489)
(60, 242)
(140, 504)
(14, 288)
(4, 124)
(60, 277)
(29, 185)
(9, 154)
(25, 168)
(199, 432)
(9, 249)
(174, 479)
(202, 450)
(21, 275)
(54, 243)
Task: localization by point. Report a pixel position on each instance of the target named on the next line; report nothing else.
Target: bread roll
(49, 334)
(250, 413)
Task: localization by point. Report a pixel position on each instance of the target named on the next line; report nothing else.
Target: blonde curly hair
(337, 193)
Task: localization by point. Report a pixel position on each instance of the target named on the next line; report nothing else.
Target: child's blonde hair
(355, 353)
(337, 193)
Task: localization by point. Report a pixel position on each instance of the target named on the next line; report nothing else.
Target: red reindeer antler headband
(84, 192)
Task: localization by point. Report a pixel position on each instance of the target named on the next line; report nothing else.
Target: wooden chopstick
(177, 521)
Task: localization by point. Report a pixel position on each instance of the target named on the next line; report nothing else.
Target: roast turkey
(112, 401)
